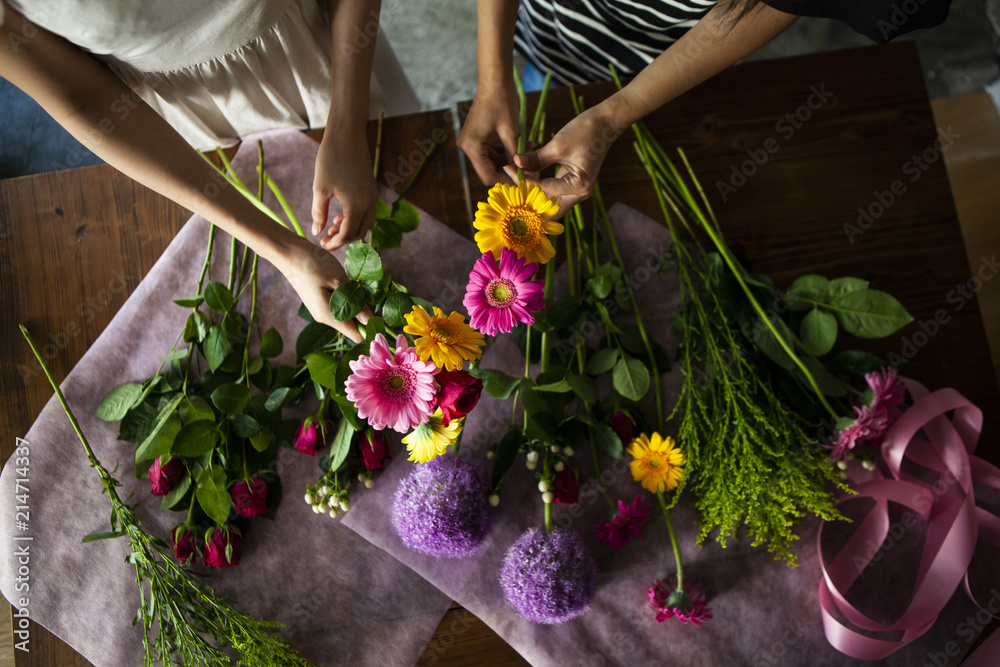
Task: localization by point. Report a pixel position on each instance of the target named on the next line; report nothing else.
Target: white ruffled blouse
(216, 70)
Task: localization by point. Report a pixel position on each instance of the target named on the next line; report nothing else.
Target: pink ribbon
(925, 435)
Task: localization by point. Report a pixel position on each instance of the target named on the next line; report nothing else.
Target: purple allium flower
(549, 577)
(442, 508)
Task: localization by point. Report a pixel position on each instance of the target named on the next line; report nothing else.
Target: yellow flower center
(654, 463)
(522, 229)
(441, 330)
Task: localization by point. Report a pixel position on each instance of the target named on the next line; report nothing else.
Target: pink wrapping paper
(765, 613)
(344, 601)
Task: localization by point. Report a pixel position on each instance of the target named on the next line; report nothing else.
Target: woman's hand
(579, 148)
(344, 171)
(489, 134)
(316, 274)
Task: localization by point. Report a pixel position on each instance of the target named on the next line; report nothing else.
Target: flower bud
(345, 505)
(333, 513)
(559, 466)
(532, 457)
(842, 465)
(315, 509)
(547, 497)
(324, 508)
(369, 483)
(868, 465)
(543, 486)
(531, 465)
(568, 451)
(324, 490)
(361, 477)
(490, 455)
(494, 499)
(555, 449)
(309, 499)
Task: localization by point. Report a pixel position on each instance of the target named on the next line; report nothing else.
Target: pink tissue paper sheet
(765, 613)
(343, 600)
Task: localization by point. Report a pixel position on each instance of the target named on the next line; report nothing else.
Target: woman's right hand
(489, 134)
(315, 274)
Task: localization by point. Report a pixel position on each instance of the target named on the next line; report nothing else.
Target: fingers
(320, 211)
(539, 159)
(349, 226)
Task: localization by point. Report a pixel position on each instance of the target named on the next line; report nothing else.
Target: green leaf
(630, 378)
(396, 307)
(271, 344)
(218, 297)
(606, 440)
(231, 398)
(244, 426)
(602, 361)
(190, 301)
(505, 454)
(216, 347)
(341, 444)
(193, 408)
(362, 262)
(176, 494)
(281, 397)
(118, 401)
(825, 380)
(386, 234)
(496, 383)
(812, 287)
(377, 290)
(566, 313)
(373, 327)
(560, 387)
(304, 313)
(312, 337)
(405, 216)
(93, 537)
(323, 369)
(162, 441)
(606, 318)
(581, 387)
(856, 363)
(347, 301)
(818, 331)
(261, 441)
(344, 368)
(600, 286)
(197, 327)
(769, 345)
(532, 402)
(161, 420)
(213, 495)
(196, 438)
(348, 411)
(381, 209)
(841, 286)
(870, 313)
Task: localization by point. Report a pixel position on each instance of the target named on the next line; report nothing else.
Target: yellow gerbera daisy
(448, 341)
(656, 462)
(431, 439)
(515, 217)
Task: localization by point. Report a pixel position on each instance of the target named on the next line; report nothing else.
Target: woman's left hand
(344, 171)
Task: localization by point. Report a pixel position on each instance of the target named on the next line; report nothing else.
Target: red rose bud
(250, 499)
(623, 424)
(374, 449)
(165, 476)
(566, 487)
(218, 544)
(183, 543)
(458, 392)
(307, 438)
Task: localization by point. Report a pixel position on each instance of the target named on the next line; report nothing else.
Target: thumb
(538, 159)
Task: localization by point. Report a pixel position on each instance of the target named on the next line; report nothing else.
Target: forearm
(351, 62)
(495, 41)
(102, 112)
(711, 46)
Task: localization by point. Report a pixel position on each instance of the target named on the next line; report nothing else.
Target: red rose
(165, 476)
(623, 424)
(216, 546)
(306, 438)
(375, 449)
(566, 487)
(183, 543)
(458, 392)
(250, 499)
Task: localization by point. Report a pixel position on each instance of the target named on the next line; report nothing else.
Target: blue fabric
(31, 142)
(532, 78)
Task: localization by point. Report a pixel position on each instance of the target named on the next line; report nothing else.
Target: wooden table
(830, 133)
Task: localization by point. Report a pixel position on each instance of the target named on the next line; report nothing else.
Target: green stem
(420, 167)
(522, 143)
(547, 468)
(378, 145)
(673, 540)
(283, 202)
(536, 123)
(208, 257)
(550, 271)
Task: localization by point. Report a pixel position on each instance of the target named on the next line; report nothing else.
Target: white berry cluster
(327, 499)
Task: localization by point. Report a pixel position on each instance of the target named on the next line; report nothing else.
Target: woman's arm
(711, 46)
(489, 134)
(343, 166)
(79, 93)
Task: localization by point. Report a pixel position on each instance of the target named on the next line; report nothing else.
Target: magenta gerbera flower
(498, 299)
(629, 521)
(869, 425)
(887, 390)
(392, 390)
(687, 606)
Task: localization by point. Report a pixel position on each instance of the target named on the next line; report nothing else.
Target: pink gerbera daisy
(869, 425)
(392, 390)
(629, 521)
(498, 299)
(687, 606)
(887, 390)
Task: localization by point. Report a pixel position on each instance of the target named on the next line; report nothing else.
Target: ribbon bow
(926, 436)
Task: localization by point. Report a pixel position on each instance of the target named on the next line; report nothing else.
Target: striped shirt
(577, 39)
